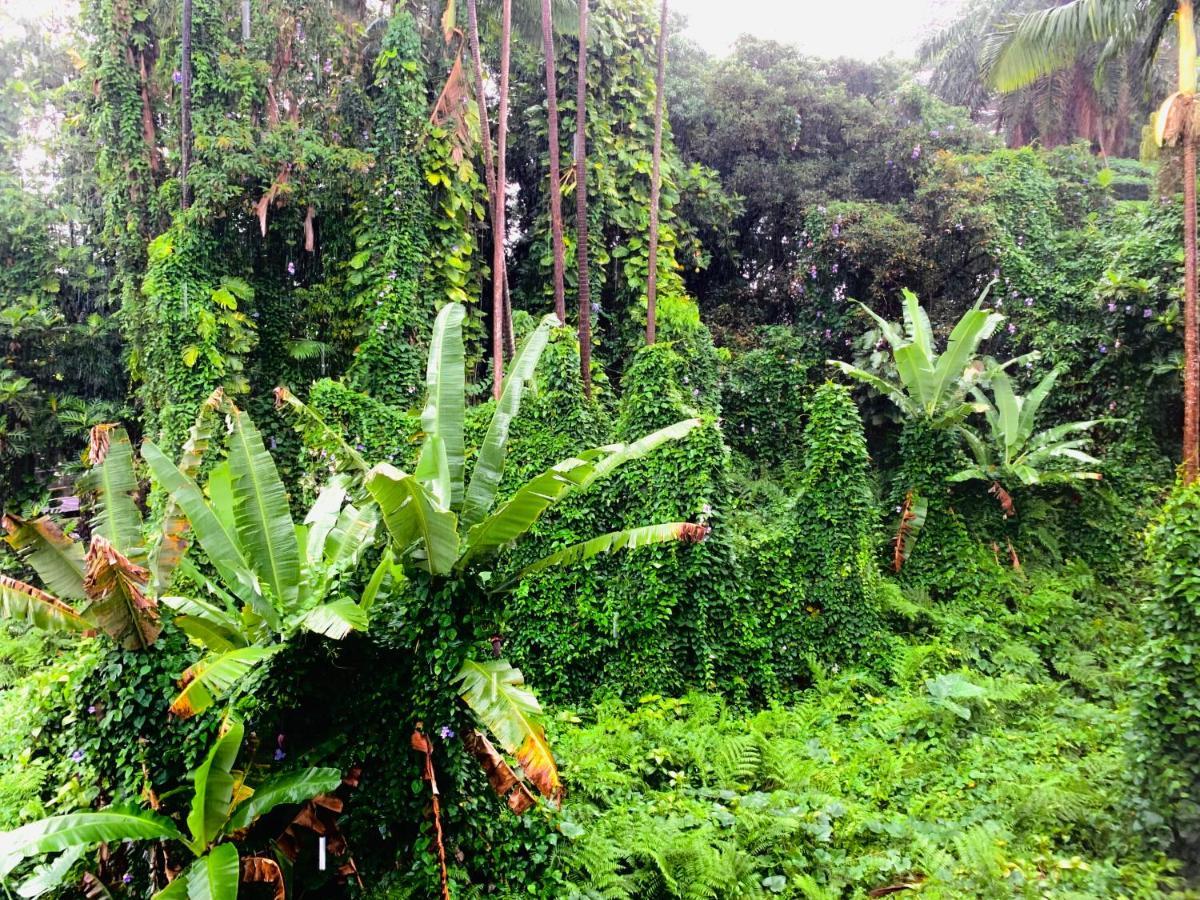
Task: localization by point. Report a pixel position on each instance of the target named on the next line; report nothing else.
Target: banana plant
(110, 585)
(1012, 452)
(273, 578)
(222, 808)
(444, 527)
(933, 386)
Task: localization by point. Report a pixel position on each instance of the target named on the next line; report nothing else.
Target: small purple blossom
(126, 878)
(91, 710)
(935, 133)
(446, 732)
(77, 756)
(328, 67)
(177, 77)
(1112, 307)
(291, 267)
(1029, 301)
(812, 271)
(1147, 313)
(279, 754)
(1012, 328)
(916, 152)
(1103, 348)
(271, 441)
(595, 309)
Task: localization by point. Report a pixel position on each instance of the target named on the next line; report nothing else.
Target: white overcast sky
(867, 29)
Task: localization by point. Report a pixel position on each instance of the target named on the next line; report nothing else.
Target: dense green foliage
(899, 630)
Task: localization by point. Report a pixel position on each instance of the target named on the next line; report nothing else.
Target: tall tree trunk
(581, 212)
(556, 219)
(489, 159)
(656, 181)
(498, 279)
(185, 111)
(1191, 334)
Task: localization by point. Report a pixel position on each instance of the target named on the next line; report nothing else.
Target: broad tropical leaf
(445, 404)
(118, 823)
(292, 787)
(47, 877)
(336, 619)
(218, 542)
(496, 693)
(387, 575)
(627, 539)
(264, 522)
(321, 518)
(172, 542)
(489, 464)
(212, 677)
(56, 558)
(411, 514)
(24, 603)
(214, 876)
(353, 533)
(344, 455)
(215, 628)
(526, 506)
(112, 480)
(117, 601)
(214, 784)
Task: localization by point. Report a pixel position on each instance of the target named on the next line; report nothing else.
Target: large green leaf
(411, 515)
(387, 577)
(24, 603)
(117, 599)
(117, 823)
(212, 678)
(215, 628)
(976, 326)
(893, 392)
(321, 518)
(496, 693)
(264, 522)
(526, 506)
(57, 558)
(218, 542)
(214, 876)
(172, 541)
(489, 463)
(113, 481)
(626, 539)
(292, 787)
(1032, 403)
(50, 876)
(445, 402)
(336, 619)
(214, 783)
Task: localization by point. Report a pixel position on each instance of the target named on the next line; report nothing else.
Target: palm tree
(556, 221)
(1051, 39)
(656, 178)
(581, 212)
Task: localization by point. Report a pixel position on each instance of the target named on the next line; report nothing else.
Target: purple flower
(291, 268)
(828, 334)
(328, 67)
(595, 309)
(1112, 307)
(890, 163)
(916, 152)
(271, 440)
(446, 732)
(1012, 328)
(177, 77)
(1029, 301)
(279, 754)
(935, 133)
(833, 270)
(1147, 313)
(126, 878)
(360, 448)
(812, 271)
(1103, 348)
(77, 756)
(91, 710)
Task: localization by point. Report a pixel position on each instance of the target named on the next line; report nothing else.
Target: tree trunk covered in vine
(656, 180)
(498, 311)
(581, 212)
(1191, 351)
(556, 219)
(185, 106)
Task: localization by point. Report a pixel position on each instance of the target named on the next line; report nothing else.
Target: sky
(867, 29)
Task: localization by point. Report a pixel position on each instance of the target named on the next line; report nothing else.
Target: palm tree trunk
(489, 159)
(581, 213)
(185, 106)
(1191, 349)
(556, 219)
(498, 278)
(656, 180)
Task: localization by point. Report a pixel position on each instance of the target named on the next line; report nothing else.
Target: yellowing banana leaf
(57, 558)
(114, 484)
(213, 677)
(23, 602)
(496, 693)
(626, 539)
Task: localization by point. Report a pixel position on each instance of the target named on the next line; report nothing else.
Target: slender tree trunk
(489, 159)
(498, 279)
(656, 181)
(581, 212)
(1191, 334)
(556, 219)
(185, 111)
